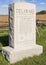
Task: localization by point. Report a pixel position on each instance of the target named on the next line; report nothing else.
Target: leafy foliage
(42, 12)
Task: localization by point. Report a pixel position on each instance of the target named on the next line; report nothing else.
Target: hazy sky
(40, 5)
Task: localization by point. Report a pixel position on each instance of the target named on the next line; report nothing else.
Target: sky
(40, 5)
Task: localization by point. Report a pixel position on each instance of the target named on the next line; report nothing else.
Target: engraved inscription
(24, 18)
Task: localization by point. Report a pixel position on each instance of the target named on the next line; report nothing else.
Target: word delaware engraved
(24, 11)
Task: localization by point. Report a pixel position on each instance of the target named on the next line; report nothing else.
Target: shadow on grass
(0, 50)
(4, 40)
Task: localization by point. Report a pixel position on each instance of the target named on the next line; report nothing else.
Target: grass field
(36, 60)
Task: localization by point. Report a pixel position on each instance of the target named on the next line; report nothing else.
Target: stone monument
(22, 32)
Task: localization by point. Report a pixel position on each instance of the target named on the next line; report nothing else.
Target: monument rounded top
(23, 3)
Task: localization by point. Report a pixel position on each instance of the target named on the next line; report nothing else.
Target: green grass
(3, 33)
(36, 60)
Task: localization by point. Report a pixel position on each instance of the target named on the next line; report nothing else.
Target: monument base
(13, 56)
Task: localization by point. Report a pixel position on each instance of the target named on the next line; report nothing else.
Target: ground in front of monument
(36, 60)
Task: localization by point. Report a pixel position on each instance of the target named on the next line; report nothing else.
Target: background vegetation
(42, 12)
